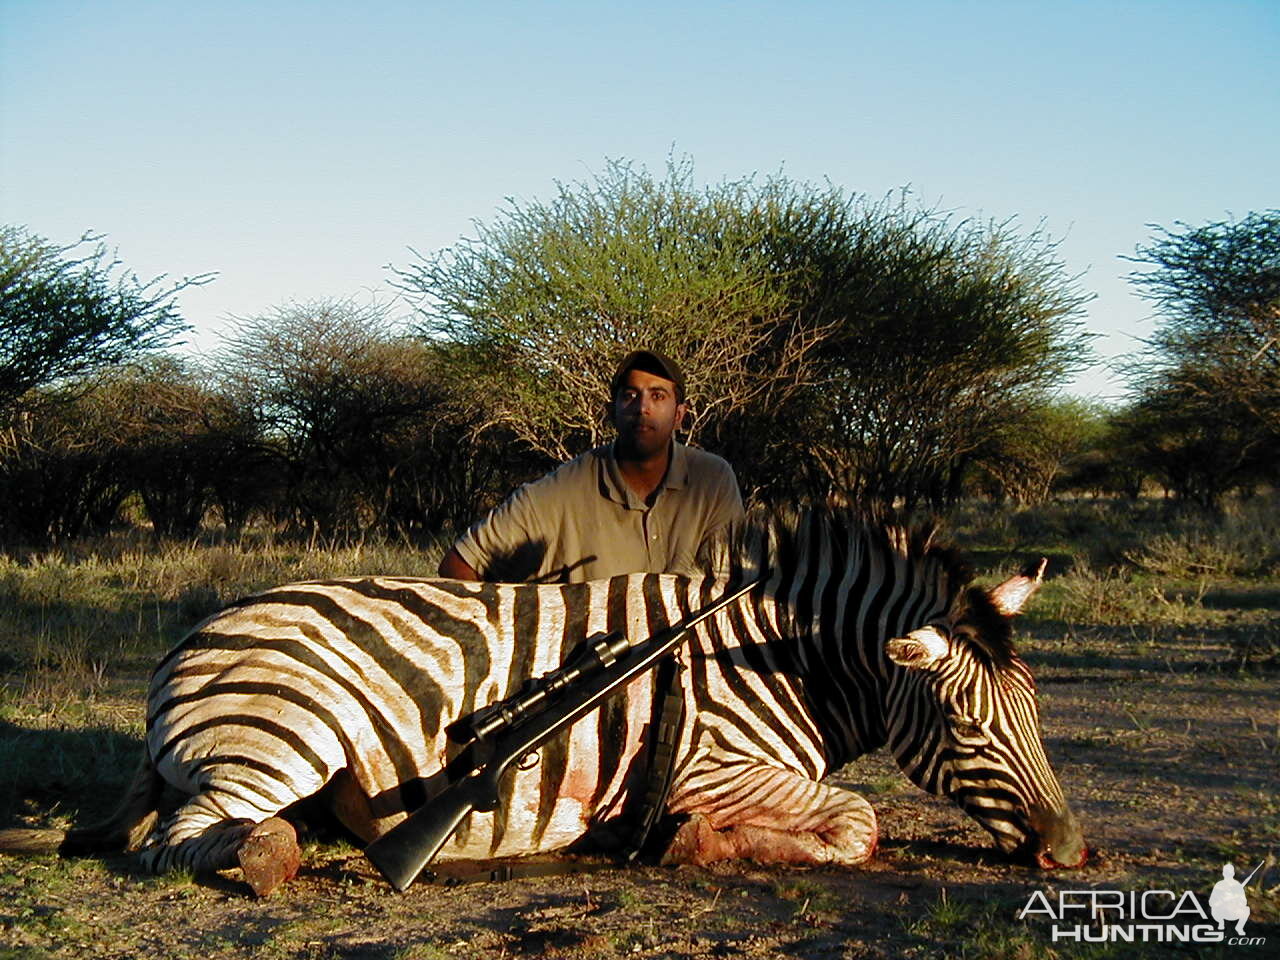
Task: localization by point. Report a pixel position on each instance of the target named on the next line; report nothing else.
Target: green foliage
(950, 336)
(1197, 449)
(1214, 285)
(831, 344)
(357, 427)
(552, 295)
(1107, 460)
(962, 928)
(1209, 381)
(61, 473)
(176, 435)
(324, 424)
(72, 457)
(63, 312)
(1041, 449)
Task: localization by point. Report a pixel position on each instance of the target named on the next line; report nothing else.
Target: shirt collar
(616, 489)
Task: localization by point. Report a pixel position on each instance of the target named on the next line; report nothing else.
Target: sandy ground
(1169, 754)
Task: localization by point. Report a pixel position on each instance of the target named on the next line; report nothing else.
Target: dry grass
(117, 602)
(1166, 745)
(1149, 567)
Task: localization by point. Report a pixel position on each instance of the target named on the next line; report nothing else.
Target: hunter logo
(1148, 916)
(1228, 901)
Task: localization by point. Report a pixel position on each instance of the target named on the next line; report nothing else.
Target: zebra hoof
(269, 855)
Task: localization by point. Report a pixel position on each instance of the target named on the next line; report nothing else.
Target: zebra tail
(128, 826)
(26, 841)
(123, 830)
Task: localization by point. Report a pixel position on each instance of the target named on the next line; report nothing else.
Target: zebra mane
(993, 637)
(773, 535)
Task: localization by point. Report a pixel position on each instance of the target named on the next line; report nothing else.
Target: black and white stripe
(353, 682)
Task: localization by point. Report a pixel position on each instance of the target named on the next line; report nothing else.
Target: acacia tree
(71, 457)
(1098, 452)
(65, 312)
(366, 430)
(1210, 378)
(61, 471)
(832, 345)
(1217, 290)
(308, 374)
(1044, 450)
(949, 337)
(180, 442)
(549, 297)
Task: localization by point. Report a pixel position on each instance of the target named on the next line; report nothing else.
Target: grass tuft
(956, 929)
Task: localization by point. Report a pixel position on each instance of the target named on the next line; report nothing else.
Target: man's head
(652, 362)
(647, 402)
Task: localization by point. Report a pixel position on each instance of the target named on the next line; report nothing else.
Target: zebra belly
(264, 729)
(579, 784)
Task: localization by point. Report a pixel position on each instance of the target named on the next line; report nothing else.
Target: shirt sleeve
(726, 504)
(510, 539)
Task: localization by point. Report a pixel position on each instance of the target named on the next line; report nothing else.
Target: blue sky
(298, 148)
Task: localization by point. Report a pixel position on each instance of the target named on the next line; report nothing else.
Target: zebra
(860, 636)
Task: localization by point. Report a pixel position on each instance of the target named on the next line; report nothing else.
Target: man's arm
(454, 567)
(510, 543)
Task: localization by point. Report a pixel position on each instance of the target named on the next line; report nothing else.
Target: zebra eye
(966, 729)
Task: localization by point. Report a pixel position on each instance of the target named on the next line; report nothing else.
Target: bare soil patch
(1169, 753)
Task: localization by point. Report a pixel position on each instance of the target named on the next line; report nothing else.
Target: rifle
(1250, 876)
(503, 734)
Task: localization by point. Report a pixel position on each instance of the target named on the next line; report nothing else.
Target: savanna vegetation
(838, 349)
(1153, 641)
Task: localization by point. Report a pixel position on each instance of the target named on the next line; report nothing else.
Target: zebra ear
(1010, 596)
(919, 650)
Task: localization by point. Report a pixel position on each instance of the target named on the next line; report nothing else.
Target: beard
(641, 439)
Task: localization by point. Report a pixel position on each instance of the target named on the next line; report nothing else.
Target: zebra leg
(757, 812)
(203, 836)
(346, 800)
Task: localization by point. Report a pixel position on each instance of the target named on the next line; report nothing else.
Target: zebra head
(964, 722)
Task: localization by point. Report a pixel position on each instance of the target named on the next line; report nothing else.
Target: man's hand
(454, 567)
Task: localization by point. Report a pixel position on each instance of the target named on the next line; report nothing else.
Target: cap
(650, 361)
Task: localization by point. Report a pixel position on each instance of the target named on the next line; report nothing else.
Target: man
(644, 503)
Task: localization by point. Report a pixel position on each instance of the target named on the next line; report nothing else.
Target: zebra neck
(839, 600)
(842, 688)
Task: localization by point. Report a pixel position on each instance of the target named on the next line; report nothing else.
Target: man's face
(646, 413)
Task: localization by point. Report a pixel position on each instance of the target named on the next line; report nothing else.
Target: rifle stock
(402, 852)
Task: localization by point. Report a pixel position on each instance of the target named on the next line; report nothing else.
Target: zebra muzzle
(1057, 841)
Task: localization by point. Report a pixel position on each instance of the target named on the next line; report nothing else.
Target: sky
(298, 149)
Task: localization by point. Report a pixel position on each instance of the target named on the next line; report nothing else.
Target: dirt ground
(1169, 754)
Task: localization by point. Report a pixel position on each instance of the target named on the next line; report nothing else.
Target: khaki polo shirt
(582, 521)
